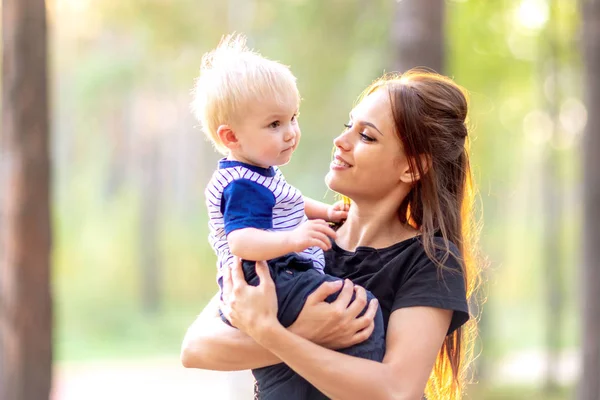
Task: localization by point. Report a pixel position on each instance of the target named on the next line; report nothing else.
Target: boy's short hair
(232, 77)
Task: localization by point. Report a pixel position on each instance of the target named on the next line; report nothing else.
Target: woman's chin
(333, 182)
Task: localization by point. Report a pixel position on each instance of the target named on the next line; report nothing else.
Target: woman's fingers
(345, 295)
(367, 318)
(264, 276)
(237, 274)
(227, 285)
(359, 303)
(225, 309)
(363, 335)
(322, 292)
(364, 326)
(372, 309)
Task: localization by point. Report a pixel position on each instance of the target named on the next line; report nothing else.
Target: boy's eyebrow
(367, 124)
(280, 115)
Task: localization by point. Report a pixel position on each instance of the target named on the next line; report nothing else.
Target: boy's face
(268, 133)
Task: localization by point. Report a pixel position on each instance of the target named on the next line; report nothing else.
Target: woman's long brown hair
(430, 115)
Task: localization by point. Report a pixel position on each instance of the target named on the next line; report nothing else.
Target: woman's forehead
(375, 108)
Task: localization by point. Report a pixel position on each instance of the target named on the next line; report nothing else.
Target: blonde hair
(232, 78)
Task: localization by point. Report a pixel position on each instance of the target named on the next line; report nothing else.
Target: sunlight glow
(532, 14)
(538, 127)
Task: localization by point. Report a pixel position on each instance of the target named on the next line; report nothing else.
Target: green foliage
(106, 75)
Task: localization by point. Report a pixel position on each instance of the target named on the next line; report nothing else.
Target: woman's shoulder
(434, 281)
(414, 250)
(399, 261)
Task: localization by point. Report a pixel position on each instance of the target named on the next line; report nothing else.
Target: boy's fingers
(341, 214)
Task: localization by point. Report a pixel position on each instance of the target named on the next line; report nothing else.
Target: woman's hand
(251, 309)
(336, 325)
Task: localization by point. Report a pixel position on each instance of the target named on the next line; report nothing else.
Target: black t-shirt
(403, 276)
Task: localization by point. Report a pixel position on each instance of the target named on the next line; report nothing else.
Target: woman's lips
(339, 163)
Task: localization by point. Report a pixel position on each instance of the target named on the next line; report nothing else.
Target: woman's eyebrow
(367, 124)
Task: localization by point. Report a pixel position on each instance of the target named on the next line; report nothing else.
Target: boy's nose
(289, 135)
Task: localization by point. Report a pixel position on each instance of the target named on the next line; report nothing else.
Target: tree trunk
(25, 298)
(149, 227)
(590, 382)
(553, 206)
(417, 35)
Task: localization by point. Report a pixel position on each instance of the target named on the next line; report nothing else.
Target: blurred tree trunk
(553, 192)
(149, 246)
(590, 381)
(417, 35)
(25, 298)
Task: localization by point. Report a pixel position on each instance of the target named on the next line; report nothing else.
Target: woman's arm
(414, 338)
(211, 344)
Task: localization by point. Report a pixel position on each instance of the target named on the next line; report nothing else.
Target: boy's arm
(315, 209)
(256, 244)
(336, 212)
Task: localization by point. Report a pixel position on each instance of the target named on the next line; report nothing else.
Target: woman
(403, 163)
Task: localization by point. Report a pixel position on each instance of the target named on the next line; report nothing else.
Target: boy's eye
(274, 124)
(295, 118)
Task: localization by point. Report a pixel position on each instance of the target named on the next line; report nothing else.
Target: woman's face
(368, 160)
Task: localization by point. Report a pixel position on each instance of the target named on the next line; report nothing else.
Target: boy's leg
(294, 282)
(373, 348)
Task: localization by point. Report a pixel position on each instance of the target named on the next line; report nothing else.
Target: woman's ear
(411, 175)
(228, 137)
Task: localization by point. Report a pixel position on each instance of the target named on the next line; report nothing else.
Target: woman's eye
(348, 125)
(274, 124)
(366, 138)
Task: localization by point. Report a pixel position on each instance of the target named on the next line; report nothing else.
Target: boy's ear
(411, 175)
(228, 137)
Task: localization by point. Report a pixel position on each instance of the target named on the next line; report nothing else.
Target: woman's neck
(374, 226)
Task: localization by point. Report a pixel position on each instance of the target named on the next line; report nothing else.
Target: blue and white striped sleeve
(247, 204)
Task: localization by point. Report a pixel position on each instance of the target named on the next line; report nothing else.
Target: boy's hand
(338, 211)
(315, 232)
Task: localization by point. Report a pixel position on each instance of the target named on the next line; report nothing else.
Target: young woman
(403, 163)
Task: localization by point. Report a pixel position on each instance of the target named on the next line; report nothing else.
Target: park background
(131, 266)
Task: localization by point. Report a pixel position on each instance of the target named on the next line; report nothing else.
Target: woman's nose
(341, 142)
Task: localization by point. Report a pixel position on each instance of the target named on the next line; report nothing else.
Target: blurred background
(131, 266)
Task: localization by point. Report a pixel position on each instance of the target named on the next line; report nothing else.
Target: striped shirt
(241, 196)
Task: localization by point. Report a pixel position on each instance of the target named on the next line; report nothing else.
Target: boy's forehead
(275, 107)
